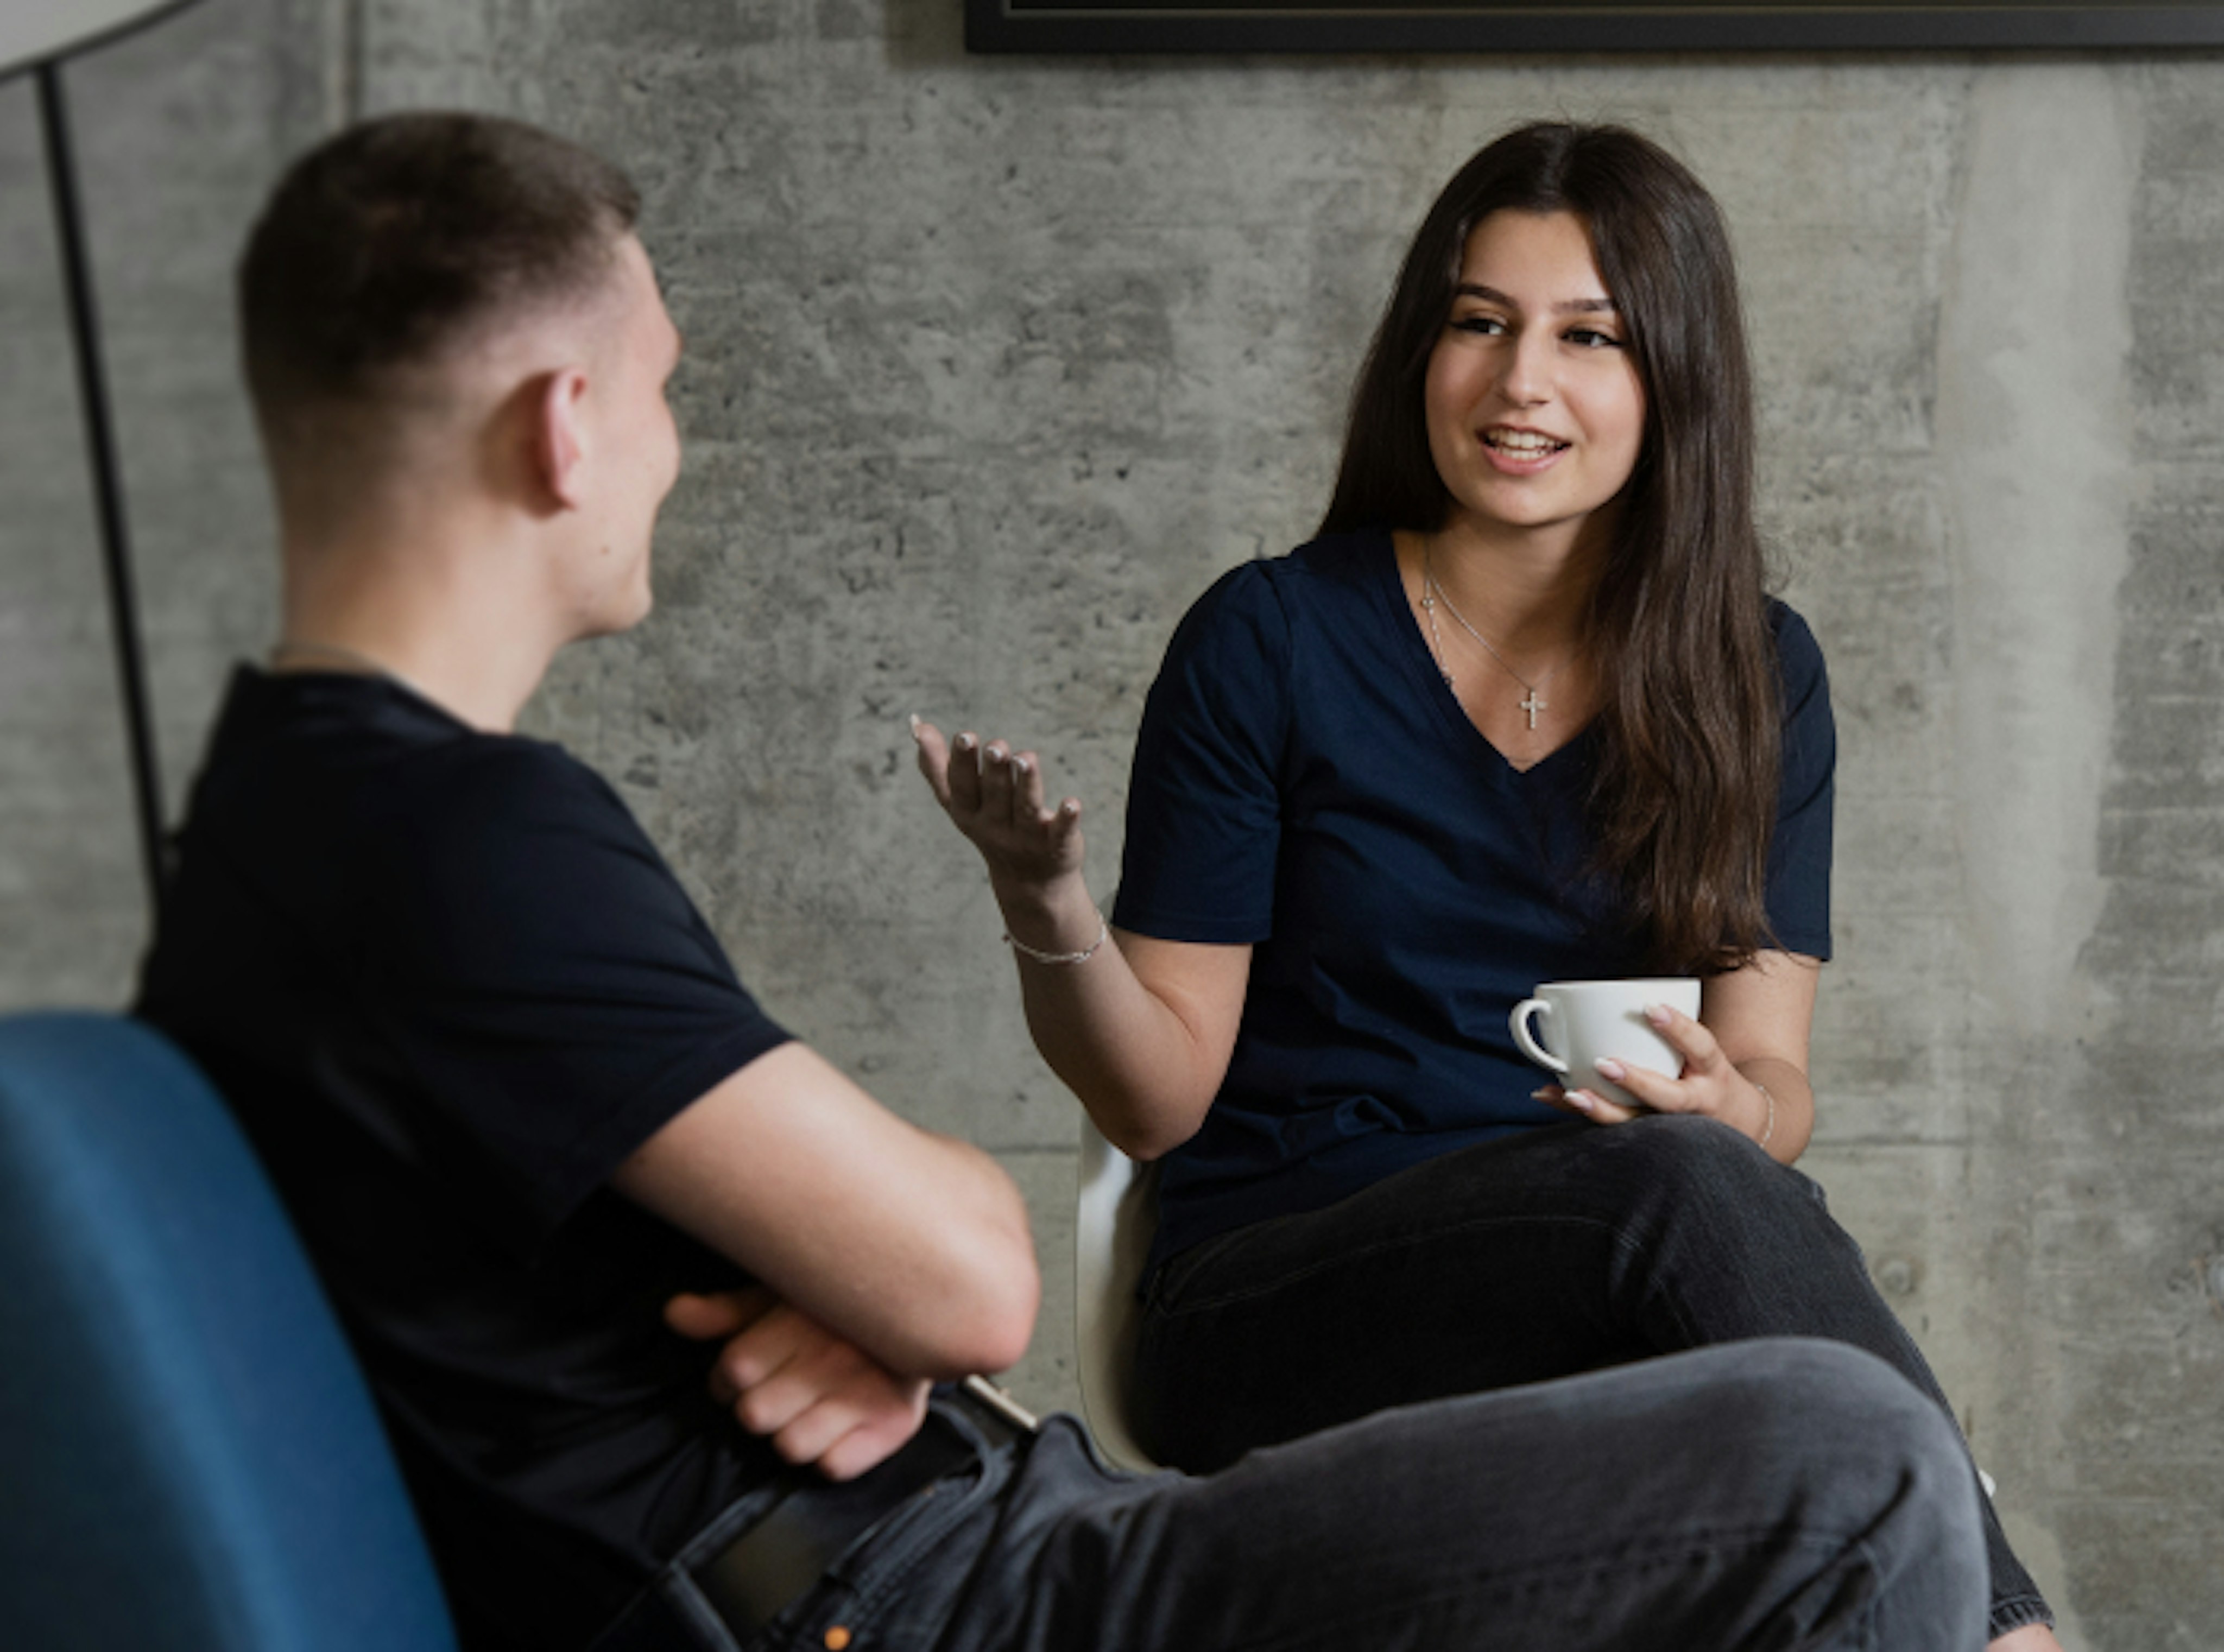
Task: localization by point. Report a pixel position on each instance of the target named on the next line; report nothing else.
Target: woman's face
(1535, 412)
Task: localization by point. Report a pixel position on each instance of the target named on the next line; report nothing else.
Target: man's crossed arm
(889, 1257)
(818, 1398)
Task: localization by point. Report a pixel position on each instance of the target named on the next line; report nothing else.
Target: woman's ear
(559, 437)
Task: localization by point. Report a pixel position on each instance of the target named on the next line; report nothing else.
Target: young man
(661, 1311)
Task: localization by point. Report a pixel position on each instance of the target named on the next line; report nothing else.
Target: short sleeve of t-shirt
(538, 971)
(1798, 887)
(1203, 804)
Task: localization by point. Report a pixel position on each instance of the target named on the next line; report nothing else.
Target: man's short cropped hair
(396, 240)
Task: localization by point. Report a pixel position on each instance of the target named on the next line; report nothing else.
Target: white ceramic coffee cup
(1585, 1022)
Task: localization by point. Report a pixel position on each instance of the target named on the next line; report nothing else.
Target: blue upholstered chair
(189, 1459)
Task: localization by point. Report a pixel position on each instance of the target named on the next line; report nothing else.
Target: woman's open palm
(994, 795)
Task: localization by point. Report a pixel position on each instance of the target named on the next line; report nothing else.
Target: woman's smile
(1519, 451)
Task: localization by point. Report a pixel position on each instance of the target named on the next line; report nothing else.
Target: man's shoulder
(314, 733)
(354, 802)
(383, 753)
(493, 785)
(510, 836)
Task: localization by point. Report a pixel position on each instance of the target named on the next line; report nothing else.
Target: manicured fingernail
(963, 743)
(1660, 1014)
(1021, 765)
(1609, 1068)
(1580, 1101)
(1542, 1093)
(914, 725)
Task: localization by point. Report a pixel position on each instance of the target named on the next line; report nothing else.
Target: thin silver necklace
(1432, 595)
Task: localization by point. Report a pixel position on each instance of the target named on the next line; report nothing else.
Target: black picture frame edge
(995, 27)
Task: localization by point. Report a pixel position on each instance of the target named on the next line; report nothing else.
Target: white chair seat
(1114, 1217)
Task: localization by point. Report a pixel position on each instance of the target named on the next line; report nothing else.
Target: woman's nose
(1528, 378)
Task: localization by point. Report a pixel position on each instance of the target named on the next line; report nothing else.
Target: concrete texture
(993, 364)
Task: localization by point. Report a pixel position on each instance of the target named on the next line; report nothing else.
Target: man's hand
(820, 1400)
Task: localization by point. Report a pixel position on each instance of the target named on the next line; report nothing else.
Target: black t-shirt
(447, 986)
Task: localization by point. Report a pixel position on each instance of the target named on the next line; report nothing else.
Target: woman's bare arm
(1140, 1029)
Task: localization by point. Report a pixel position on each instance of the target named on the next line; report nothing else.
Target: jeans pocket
(893, 1589)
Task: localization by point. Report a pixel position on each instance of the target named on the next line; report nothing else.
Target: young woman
(1523, 711)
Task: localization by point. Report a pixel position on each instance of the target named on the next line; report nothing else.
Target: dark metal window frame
(1068, 25)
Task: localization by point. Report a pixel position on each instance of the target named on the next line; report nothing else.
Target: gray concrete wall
(993, 365)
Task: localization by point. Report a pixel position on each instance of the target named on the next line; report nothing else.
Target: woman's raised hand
(1138, 1029)
(994, 795)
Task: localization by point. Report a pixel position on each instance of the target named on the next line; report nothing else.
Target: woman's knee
(1699, 1203)
(1701, 1160)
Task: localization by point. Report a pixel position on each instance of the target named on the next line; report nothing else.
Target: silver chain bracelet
(1104, 929)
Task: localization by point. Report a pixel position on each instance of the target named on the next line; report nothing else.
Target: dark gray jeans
(1781, 1495)
(1571, 1248)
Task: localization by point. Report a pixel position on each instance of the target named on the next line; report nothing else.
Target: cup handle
(1520, 1022)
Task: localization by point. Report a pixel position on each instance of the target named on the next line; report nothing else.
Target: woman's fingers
(1691, 1038)
(995, 797)
(1585, 1104)
(1028, 791)
(1064, 826)
(1030, 808)
(964, 775)
(1656, 1090)
(989, 790)
(933, 759)
(1597, 1108)
(996, 783)
(1698, 1088)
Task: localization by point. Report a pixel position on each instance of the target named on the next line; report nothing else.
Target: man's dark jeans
(1572, 1248)
(1779, 1495)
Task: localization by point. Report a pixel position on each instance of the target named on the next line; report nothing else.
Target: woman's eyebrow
(1492, 295)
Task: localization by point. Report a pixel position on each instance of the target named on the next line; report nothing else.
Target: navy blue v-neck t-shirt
(1305, 782)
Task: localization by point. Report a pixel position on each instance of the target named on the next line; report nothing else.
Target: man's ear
(559, 437)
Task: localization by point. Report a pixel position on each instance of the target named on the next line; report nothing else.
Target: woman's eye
(1488, 327)
(1592, 338)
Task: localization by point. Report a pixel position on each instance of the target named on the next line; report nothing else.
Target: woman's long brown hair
(1684, 802)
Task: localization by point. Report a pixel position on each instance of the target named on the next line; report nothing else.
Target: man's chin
(616, 620)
